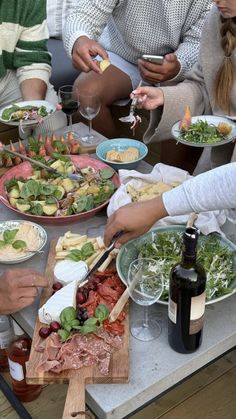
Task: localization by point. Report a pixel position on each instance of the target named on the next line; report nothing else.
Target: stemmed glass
(69, 103)
(89, 107)
(145, 287)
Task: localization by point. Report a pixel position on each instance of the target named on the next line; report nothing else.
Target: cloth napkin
(206, 222)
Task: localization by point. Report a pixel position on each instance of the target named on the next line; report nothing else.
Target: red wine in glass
(69, 104)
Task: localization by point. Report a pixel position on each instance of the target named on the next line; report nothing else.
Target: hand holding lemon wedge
(104, 64)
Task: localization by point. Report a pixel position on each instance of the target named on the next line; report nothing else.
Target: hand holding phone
(155, 59)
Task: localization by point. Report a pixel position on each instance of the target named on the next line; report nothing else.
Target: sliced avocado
(13, 202)
(14, 192)
(67, 184)
(20, 184)
(22, 207)
(50, 209)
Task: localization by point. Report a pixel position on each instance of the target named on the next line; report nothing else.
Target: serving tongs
(72, 176)
(132, 118)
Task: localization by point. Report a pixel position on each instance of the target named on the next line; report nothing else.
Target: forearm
(33, 89)
(213, 190)
(86, 19)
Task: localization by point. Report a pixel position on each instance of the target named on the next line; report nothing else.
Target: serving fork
(72, 176)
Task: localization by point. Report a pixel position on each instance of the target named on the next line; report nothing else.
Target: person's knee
(93, 86)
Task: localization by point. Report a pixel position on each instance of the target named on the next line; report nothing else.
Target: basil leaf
(2, 243)
(106, 173)
(64, 334)
(75, 255)
(88, 329)
(19, 244)
(9, 235)
(87, 250)
(58, 156)
(102, 312)
(92, 321)
(8, 111)
(75, 323)
(47, 189)
(30, 188)
(37, 209)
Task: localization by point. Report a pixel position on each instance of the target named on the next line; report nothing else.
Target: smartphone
(156, 59)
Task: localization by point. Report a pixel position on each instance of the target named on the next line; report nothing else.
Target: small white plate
(14, 224)
(210, 119)
(49, 107)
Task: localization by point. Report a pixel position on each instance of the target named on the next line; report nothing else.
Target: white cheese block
(65, 297)
(66, 271)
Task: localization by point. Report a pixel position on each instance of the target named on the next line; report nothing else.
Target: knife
(102, 259)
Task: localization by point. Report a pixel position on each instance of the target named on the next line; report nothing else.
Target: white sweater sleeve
(213, 190)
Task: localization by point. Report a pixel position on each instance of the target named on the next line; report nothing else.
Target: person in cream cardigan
(209, 88)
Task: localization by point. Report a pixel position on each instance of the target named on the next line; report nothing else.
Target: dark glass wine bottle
(187, 298)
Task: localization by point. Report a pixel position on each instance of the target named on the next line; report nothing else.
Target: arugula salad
(46, 193)
(204, 133)
(217, 259)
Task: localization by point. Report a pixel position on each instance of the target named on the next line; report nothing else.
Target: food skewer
(72, 176)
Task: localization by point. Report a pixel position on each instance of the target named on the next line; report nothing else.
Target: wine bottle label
(172, 311)
(197, 313)
(5, 338)
(16, 370)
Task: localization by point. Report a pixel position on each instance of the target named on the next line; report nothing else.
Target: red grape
(55, 326)
(44, 332)
(80, 298)
(57, 286)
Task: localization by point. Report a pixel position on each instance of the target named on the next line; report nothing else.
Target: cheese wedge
(65, 297)
(67, 271)
(104, 64)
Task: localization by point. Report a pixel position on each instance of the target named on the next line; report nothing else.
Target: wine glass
(145, 287)
(69, 103)
(89, 107)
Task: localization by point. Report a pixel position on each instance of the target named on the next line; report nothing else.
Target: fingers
(32, 279)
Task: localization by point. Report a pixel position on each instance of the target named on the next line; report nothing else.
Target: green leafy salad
(217, 259)
(46, 193)
(27, 112)
(202, 132)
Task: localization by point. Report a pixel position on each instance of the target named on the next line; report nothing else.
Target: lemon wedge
(104, 64)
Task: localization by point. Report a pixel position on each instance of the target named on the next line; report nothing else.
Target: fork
(131, 117)
(72, 176)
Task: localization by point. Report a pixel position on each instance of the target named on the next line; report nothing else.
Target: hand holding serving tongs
(132, 118)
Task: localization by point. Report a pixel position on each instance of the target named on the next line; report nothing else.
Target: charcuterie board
(75, 401)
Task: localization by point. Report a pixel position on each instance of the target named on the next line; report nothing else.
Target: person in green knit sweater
(24, 59)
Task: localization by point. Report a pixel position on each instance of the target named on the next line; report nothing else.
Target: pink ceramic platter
(25, 170)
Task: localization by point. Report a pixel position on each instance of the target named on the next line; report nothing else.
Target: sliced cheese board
(118, 370)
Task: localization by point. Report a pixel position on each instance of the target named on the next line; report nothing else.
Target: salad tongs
(72, 176)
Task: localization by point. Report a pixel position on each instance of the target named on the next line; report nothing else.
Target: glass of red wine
(69, 104)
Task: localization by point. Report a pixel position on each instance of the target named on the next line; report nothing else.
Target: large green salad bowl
(216, 254)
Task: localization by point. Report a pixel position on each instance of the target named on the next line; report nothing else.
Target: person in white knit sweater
(212, 190)
(124, 30)
(209, 88)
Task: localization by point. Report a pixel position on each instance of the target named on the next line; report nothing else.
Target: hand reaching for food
(156, 73)
(84, 52)
(148, 97)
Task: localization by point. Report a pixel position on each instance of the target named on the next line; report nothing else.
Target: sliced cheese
(67, 271)
(65, 297)
(104, 64)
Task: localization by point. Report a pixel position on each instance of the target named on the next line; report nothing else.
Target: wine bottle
(18, 354)
(6, 336)
(186, 306)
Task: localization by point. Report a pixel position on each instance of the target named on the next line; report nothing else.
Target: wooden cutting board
(75, 401)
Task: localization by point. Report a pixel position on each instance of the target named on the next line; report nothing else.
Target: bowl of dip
(20, 240)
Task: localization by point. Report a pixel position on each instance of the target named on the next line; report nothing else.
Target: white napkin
(206, 222)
